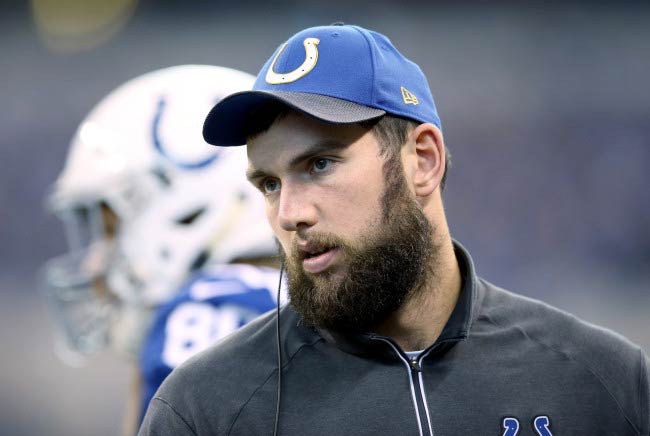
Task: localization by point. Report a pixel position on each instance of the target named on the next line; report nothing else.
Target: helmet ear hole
(191, 217)
(200, 260)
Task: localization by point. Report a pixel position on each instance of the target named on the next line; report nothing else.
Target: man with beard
(389, 330)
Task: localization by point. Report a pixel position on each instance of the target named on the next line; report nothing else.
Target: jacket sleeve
(161, 420)
(644, 395)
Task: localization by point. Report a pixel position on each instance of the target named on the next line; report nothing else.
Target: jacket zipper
(419, 379)
(414, 369)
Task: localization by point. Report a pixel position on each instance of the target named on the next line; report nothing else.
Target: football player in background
(169, 248)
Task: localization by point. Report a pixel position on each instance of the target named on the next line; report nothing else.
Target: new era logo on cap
(338, 74)
(408, 97)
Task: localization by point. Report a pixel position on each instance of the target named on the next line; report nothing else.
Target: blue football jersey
(214, 303)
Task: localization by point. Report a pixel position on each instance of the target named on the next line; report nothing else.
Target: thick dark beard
(386, 268)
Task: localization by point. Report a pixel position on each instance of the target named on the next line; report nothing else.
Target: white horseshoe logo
(311, 57)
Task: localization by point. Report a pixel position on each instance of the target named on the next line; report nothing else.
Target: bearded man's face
(355, 242)
(380, 270)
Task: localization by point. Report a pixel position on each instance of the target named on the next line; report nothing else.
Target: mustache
(320, 239)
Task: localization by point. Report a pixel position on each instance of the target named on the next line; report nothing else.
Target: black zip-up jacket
(504, 365)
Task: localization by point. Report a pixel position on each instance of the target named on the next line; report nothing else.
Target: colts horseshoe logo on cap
(311, 57)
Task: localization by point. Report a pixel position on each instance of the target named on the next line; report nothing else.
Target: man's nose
(296, 209)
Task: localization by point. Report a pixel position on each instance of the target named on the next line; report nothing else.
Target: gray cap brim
(226, 122)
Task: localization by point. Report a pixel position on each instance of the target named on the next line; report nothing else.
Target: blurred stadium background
(546, 110)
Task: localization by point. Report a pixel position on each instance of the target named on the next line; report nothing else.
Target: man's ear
(430, 152)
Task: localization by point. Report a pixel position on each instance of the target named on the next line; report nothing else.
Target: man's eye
(269, 186)
(321, 165)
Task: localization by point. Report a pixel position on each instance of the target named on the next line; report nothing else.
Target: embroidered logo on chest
(541, 424)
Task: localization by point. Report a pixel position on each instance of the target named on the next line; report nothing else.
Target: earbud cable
(277, 325)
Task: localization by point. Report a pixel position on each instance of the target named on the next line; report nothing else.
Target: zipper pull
(415, 366)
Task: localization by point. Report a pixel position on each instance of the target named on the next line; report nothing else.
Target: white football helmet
(145, 201)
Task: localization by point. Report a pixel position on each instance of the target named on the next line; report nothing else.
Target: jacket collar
(456, 329)
(460, 321)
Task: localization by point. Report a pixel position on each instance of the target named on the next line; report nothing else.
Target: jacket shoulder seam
(583, 364)
(171, 407)
(234, 421)
(643, 371)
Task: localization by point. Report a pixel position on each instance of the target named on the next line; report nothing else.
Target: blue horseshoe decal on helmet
(159, 145)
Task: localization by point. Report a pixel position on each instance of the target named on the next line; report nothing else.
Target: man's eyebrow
(316, 149)
(253, 175)
(313, 150)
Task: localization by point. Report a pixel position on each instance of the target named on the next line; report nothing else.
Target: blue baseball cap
(337, 74)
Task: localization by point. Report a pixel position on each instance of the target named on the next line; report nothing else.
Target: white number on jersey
(192, 327)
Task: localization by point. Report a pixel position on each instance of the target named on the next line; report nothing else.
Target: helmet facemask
(75, 283)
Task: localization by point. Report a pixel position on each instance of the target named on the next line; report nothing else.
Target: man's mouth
(317, 259)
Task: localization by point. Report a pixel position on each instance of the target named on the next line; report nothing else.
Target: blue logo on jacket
(540, 424)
